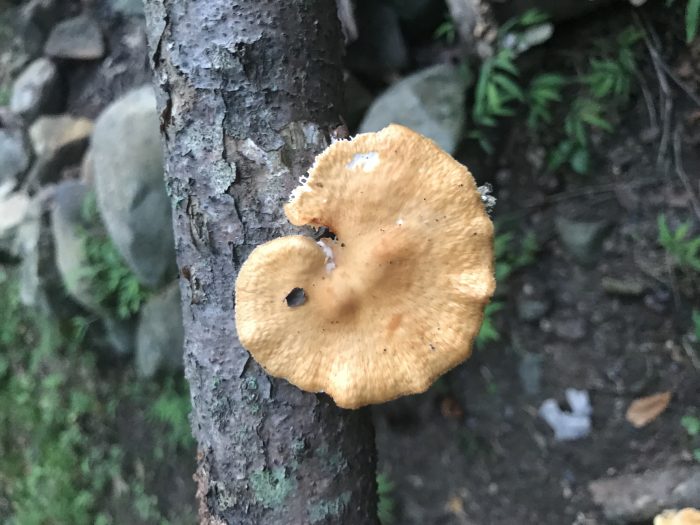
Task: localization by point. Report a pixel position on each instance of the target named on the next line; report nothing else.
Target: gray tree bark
(249, 93)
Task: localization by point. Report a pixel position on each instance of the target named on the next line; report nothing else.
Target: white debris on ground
(569, 425)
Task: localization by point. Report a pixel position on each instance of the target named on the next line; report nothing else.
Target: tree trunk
(249, 93)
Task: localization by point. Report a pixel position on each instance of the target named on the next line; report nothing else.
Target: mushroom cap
(687, 516)
(397, 298)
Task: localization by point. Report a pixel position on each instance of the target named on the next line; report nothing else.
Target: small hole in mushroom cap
(296, 297)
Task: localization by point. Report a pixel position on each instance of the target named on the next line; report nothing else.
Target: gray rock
(58, 142)
(530, 373)
(128, 7)
(14, 157)
(160, 336)
(430, 102)
(20, 43)
(637, 498)
(582, 239)
(119, 335)
(466, 16)
(41, 286)
(78, 38)
(42, 13)
(532, 304)
(69, 234)
(570, 328)
(128, 172)
(14, 209)
(36, 90)
(380, 46)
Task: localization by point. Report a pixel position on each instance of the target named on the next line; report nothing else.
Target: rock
(41, 286)
(160, 336)
(87, 169)
(530, 373)
(637, 498)
(380, 46)
(466, 16)
(54, 136)
(569, 425)
(119, 335)
(430, 102)
(14, 209)
(128, 172)
(128, 7)
(77, 38)
(58, 142)
(14, 157)
(69, 230)
(36, 90)
(571, 328)
(532, 303)
(42, 13)
(20, 43)
(583, 240)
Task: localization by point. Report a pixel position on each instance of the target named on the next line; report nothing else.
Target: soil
(473, 450)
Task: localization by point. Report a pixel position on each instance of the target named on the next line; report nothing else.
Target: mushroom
(687, 516)
(397, 297)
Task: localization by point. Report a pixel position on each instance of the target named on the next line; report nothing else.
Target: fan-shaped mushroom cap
(688, 516)
(397, 299)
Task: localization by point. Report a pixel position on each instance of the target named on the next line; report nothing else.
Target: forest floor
(613, 321)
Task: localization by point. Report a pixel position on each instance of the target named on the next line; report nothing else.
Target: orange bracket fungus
(397, 297)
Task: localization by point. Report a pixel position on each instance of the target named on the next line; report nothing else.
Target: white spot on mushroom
(368, 161)
(328, 252)
(399, 222)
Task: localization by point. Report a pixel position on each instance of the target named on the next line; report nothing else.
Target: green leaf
(692, 18)
(533, 16)
(580, 161)
(595, 120)
(504, 61)
(691, 425)
(560, 155)
(510, 87)
(493, 98)
(480, 92)
(696, 324)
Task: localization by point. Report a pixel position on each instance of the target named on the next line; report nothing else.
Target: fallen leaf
(682, 517)
(450, 408)
(644, 410)
(456, 506)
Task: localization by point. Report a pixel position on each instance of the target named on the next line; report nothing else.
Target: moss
(329, 509)
(271, 487)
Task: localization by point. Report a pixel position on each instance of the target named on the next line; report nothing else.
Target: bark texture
(249, 92)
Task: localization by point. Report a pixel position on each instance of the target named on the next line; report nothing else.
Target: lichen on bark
(248, 93)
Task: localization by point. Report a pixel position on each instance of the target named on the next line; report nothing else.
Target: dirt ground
(473, 450)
